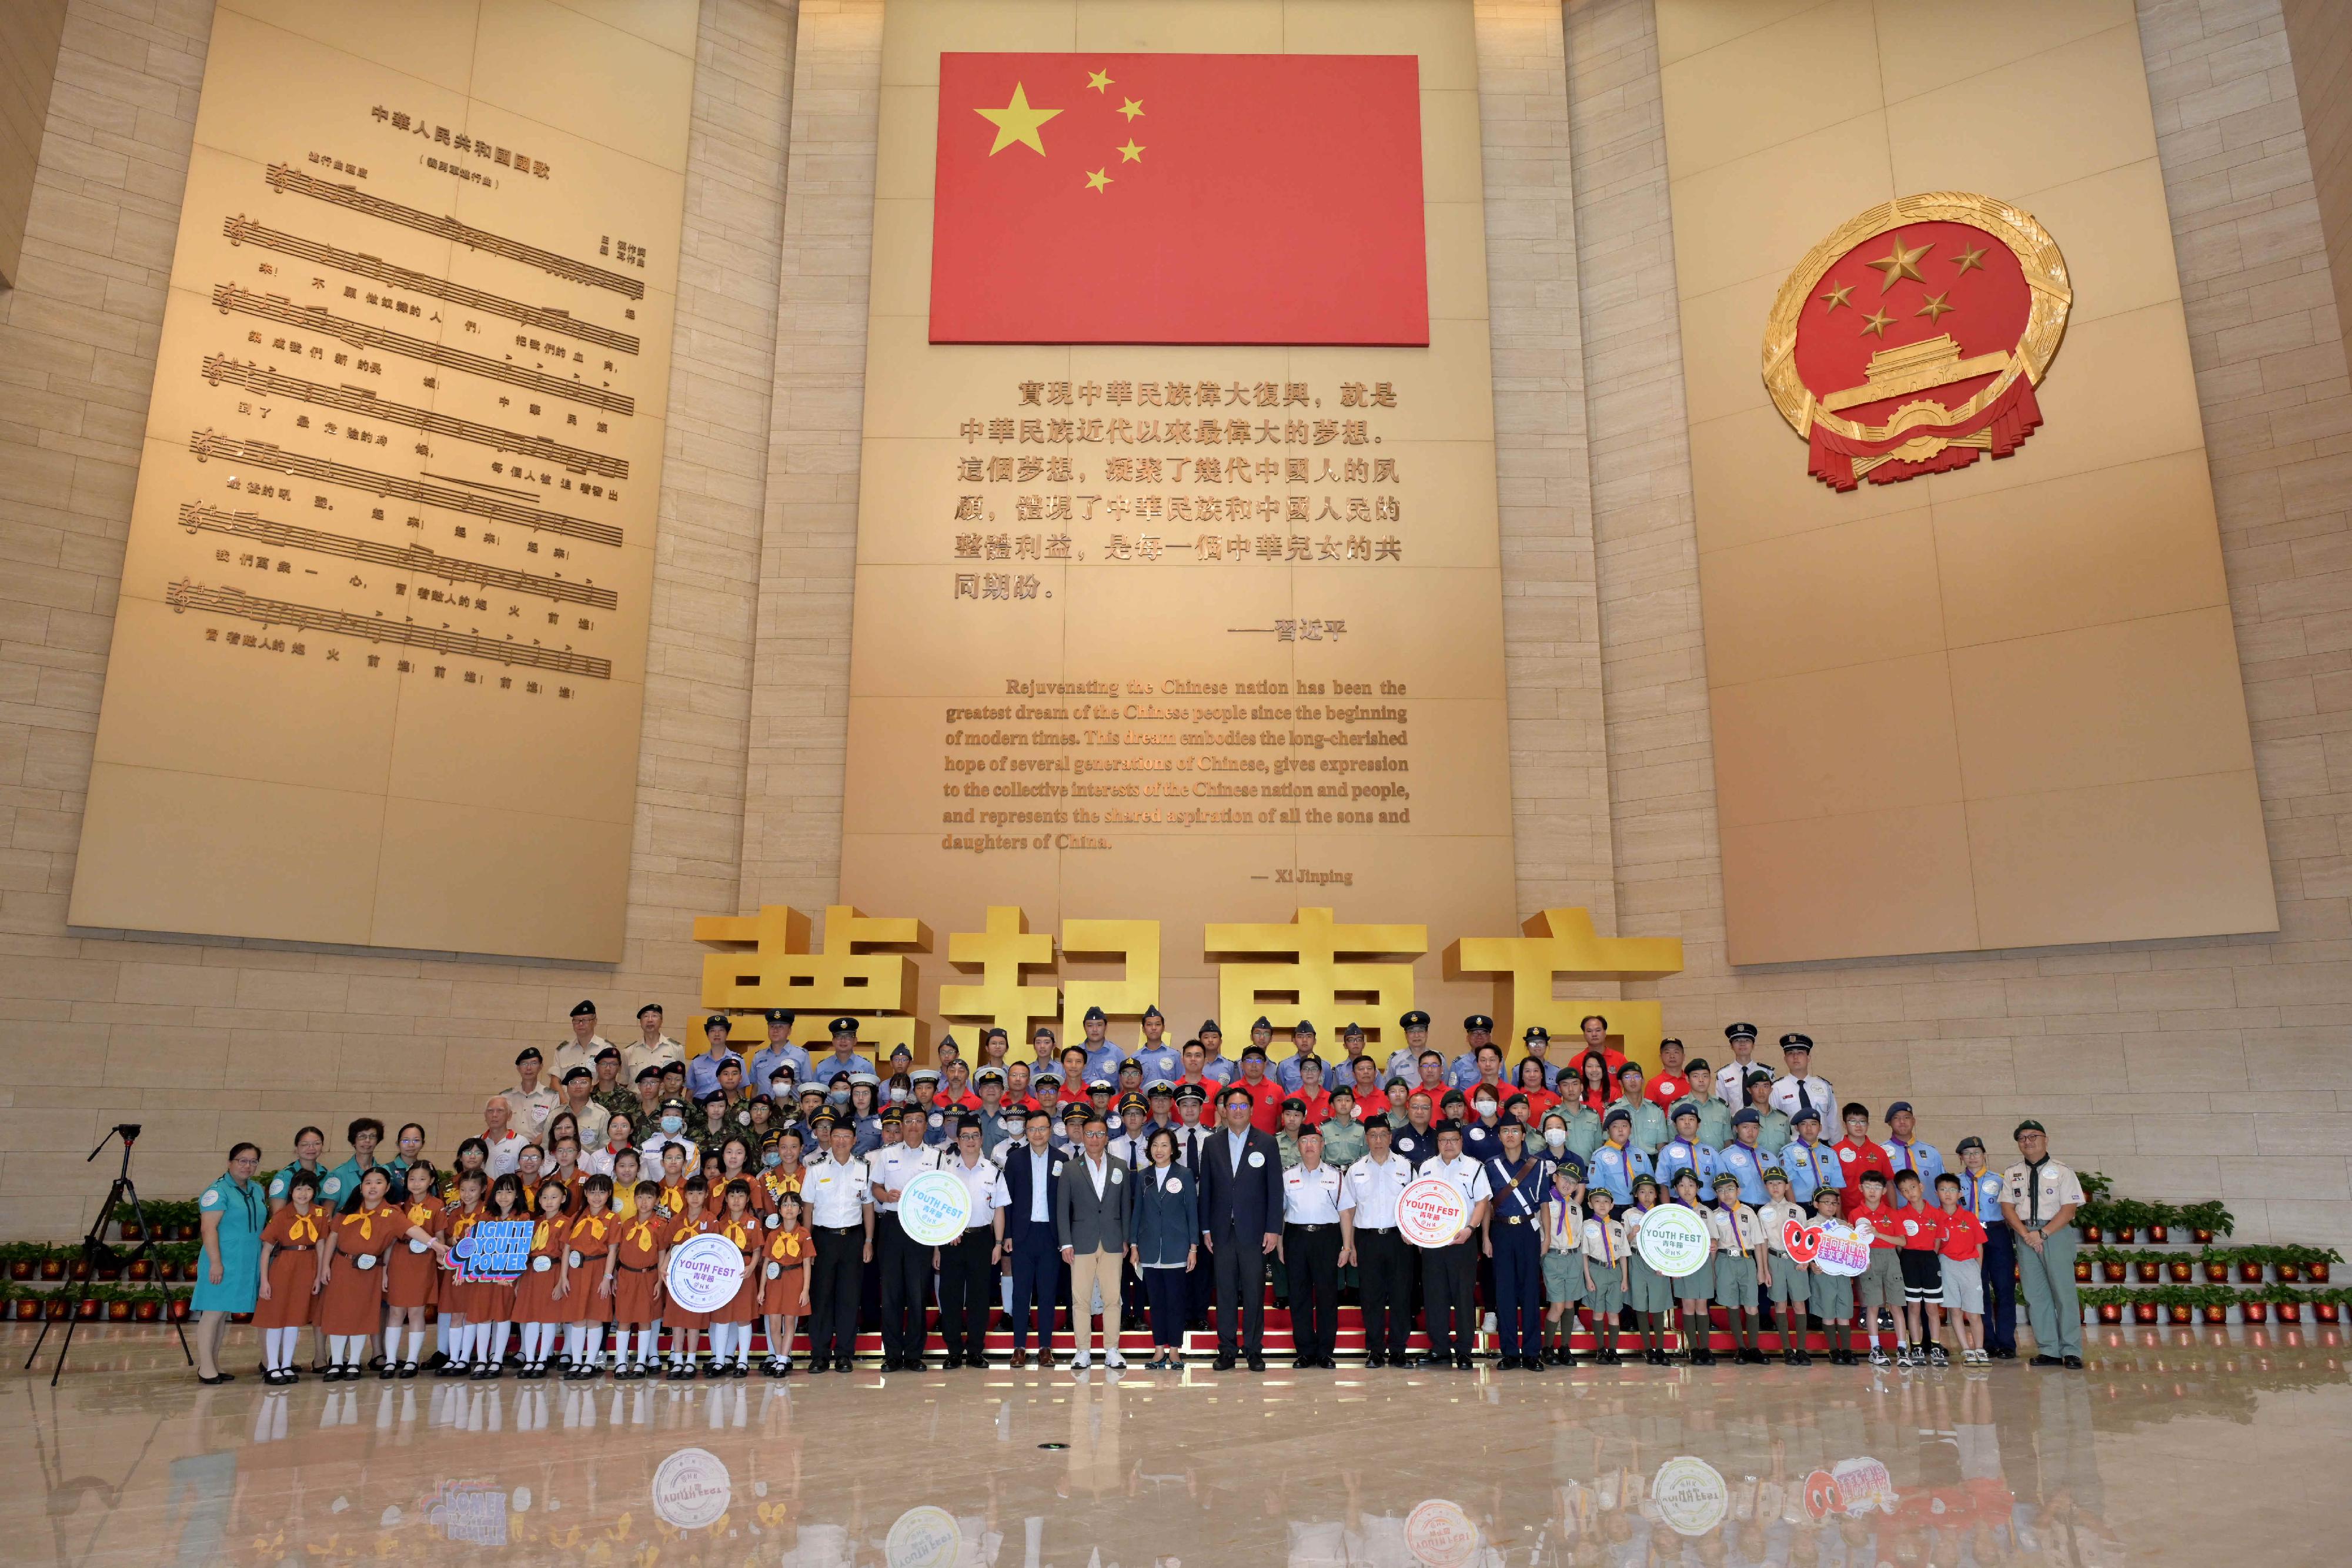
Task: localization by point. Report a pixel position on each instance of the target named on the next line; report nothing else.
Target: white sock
(392, 1344)
(592, 1342)
(572, 1337)
(481, 1344)
(441, 1327)
(336, 1344)
(498, 1332)
(415, 1343)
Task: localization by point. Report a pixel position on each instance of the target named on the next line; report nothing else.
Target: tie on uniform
(1804, 1101)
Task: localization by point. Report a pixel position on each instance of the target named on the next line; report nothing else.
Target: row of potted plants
(2291, 1264)
(23, 1262)
(2213, 1304)
(2124, 1220)
(173, 1220)
(101, 1303)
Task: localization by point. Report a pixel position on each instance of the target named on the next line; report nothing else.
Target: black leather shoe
(1222, 1364)
(1374, 1362)
(2074, 1364)
(1464, 1364)
(2045, 1360)
(1257, 1364)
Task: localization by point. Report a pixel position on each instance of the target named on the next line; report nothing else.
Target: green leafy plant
(2096, 1187)
(2209, 1216)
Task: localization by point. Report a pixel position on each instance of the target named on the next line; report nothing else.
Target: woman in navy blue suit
(1163, 1243)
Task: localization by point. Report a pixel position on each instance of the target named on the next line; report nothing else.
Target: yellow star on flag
(1132, 108)
(1130, 153)
(1098, 180)
(1936, 306)
(1016, 121)
(1900, 263)
(1839, 296)
(1968, 258)
(1877, 321)
(1098, 80)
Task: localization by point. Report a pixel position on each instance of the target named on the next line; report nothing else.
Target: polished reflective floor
(2176, 1446)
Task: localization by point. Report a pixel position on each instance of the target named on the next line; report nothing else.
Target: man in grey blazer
(1090, 1217)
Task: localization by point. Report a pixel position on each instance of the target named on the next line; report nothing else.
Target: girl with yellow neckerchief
(535, 1306)
(586, 1293)
(632, 1280)
(731, 1325)
(289, 1275)
(783, 1278)
(414, 1282)
(351, 1274)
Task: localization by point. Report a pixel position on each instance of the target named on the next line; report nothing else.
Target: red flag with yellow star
(1179, 199)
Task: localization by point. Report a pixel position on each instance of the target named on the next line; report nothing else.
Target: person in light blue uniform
(1519, 1181)
(1477, 1030)
(1287, 1072)
(232, 1212)
(1904, 1152)
(1404, 1061)
(779, 1049)
(1615, 1163)
(1983, 1187)
(1812, 1165)
(1215, 1065)
(1743, 1159)
(1684, 1152)
(703, 1072)
(1161, 1059)
(842, 1057)
(1103, 1055)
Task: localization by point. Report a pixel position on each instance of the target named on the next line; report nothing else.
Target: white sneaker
(1082, 1360)
(1114, 1361)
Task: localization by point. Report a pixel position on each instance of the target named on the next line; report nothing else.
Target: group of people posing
(1101, 1177)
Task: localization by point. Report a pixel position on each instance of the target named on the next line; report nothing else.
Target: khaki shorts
(1735, 1282)
(1563, 1277)
(1964, 1284)
(1789, 1283)
(1881, 1285)
(1833, 1298)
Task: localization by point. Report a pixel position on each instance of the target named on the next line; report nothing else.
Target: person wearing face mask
(669, 1127)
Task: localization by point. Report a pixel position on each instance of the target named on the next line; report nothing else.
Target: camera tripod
(102, 1259)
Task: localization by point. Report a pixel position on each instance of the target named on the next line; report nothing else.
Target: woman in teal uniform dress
(229, 1271)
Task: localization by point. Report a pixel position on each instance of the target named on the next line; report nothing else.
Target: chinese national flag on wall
(1179, 199)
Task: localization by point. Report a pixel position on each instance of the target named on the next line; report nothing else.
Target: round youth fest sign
(1674, 1241)
(1431, 1211)
(691, 1488)
(934, 1207)
(703, 1273)
(1691, 1495)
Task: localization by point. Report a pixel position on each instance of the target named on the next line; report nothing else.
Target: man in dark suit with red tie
(1241, 1220)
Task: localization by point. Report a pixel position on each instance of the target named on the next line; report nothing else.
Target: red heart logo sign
(1803, 1241)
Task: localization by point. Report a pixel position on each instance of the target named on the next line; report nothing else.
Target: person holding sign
(1833, 1293)
(685, 1323)
(1449, 1314)
(1369, 1239)
(1517, 1180)
(1882, 1283)
(1606, 1249)
(967, 1265)
(906, 1266)
(1649, 1294)
(1694, 1319)
(1241, 1220)
(731, 1325)
(1090, 1212)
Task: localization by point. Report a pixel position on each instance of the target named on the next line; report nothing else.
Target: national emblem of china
(1911, 340)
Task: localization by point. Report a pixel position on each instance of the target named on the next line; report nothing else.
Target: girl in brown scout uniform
(352, 1275)
(289, 1276)
(535, 1306)
(731, 1325)
(783, 1279)
(460, 1210)
(586, 1291)
(491, 1311)
(694, 1220)
(473, 1155)
(413, 1287)
(633, 1280)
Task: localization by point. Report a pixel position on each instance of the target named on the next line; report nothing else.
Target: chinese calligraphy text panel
(379, 659)
(1219, 622)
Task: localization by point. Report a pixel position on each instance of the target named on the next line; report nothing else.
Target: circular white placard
(1431, 1212)
(1674, 1241)
(925, 1537)
(691, 1489)
(703, 1273)
(934, 1206)
(1439, 1533)
(1691, 1494)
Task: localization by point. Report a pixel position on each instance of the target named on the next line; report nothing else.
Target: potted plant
(118, 1306)
(93, 1305)
(147, 1307)
(2161, 1218)
(2082, 1266)
(2146, 1307)
(2149, 1266)
(2206, 1220)
(2288, 1305)
(128, 1226)
(2317, 1260)
(2214, 1301)
(77, 1269)
(140, 1268)
(2091, 1220)
(2107, 1304)
(2327, 1306)
(2249, 1261)
(2181, 1271)
(53, 1262)
(2179, 1304)
(2124, 1217)
(178, 1312)
(2112, 1265)
(58, 1308)
(2252, 1311)
(2217, 1260)
(29, 1306)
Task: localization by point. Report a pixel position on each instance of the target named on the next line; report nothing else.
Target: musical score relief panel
(378, 668)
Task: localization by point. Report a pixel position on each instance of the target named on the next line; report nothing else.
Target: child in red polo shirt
(1882, 1282)
(1962, 1252)
(1923, 1277)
